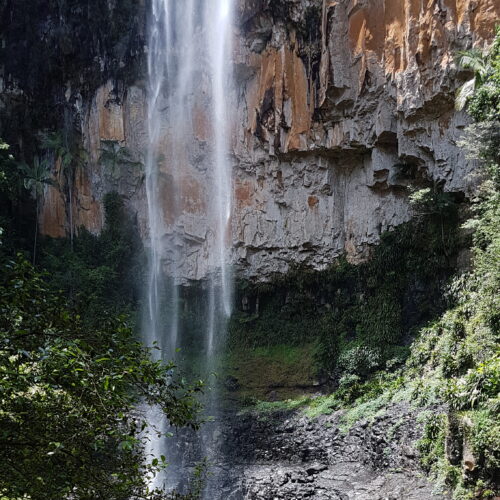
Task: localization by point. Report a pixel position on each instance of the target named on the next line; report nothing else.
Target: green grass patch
(264, 407)
(323, 405)
(278, 372)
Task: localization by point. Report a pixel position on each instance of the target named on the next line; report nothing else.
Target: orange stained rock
(399, 32)
(485, 16)
(457, 9)
(266, 80)
(282, 77)
(312, 201)
(385, 37)
(395, 35)
(86, 209)
(52, 217)
(366, 28)
(54, 213)
(110, 114)
(105, 121)
(395, 28)
(296, 88)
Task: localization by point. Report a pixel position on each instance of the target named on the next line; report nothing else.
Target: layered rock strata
(337, 107)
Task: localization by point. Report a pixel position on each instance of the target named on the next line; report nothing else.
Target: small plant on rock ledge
(114, 154)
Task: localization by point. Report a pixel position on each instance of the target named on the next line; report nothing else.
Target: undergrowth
(99, 274)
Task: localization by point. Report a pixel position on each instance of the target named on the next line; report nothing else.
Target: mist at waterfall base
(188, 66)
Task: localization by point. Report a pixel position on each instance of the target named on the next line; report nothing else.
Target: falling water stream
(188, 64)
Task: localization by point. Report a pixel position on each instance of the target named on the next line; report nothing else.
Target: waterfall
(188, 63)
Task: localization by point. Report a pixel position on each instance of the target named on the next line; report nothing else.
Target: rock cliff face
(344, 102)
(337, 106)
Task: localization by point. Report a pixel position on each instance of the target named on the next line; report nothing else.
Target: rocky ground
(290, 456)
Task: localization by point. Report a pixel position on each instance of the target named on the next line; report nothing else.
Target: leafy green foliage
(16, 224)
(11, 176)
(361, 399)
(114, 155)
(56, 143)
(484, 104)
(101, 274)
(431, 445)
(70, 398)
(458, 354)
(474, 433)
(74, 380)
(481, 94)
(36, 177)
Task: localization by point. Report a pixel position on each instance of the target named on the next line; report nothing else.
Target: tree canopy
(71, 424)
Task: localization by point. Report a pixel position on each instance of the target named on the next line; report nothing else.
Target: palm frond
(114, 154)
(464, 93)
(36, 176)
(474, 60)
(52, 141)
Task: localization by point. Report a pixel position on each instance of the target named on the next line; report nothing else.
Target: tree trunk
(442, 238)
(36, 232)
(70, 188)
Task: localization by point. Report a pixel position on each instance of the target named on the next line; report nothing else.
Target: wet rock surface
(290, 456)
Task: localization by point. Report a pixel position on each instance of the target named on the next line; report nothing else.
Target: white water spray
(188, 63)
(220, 16)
